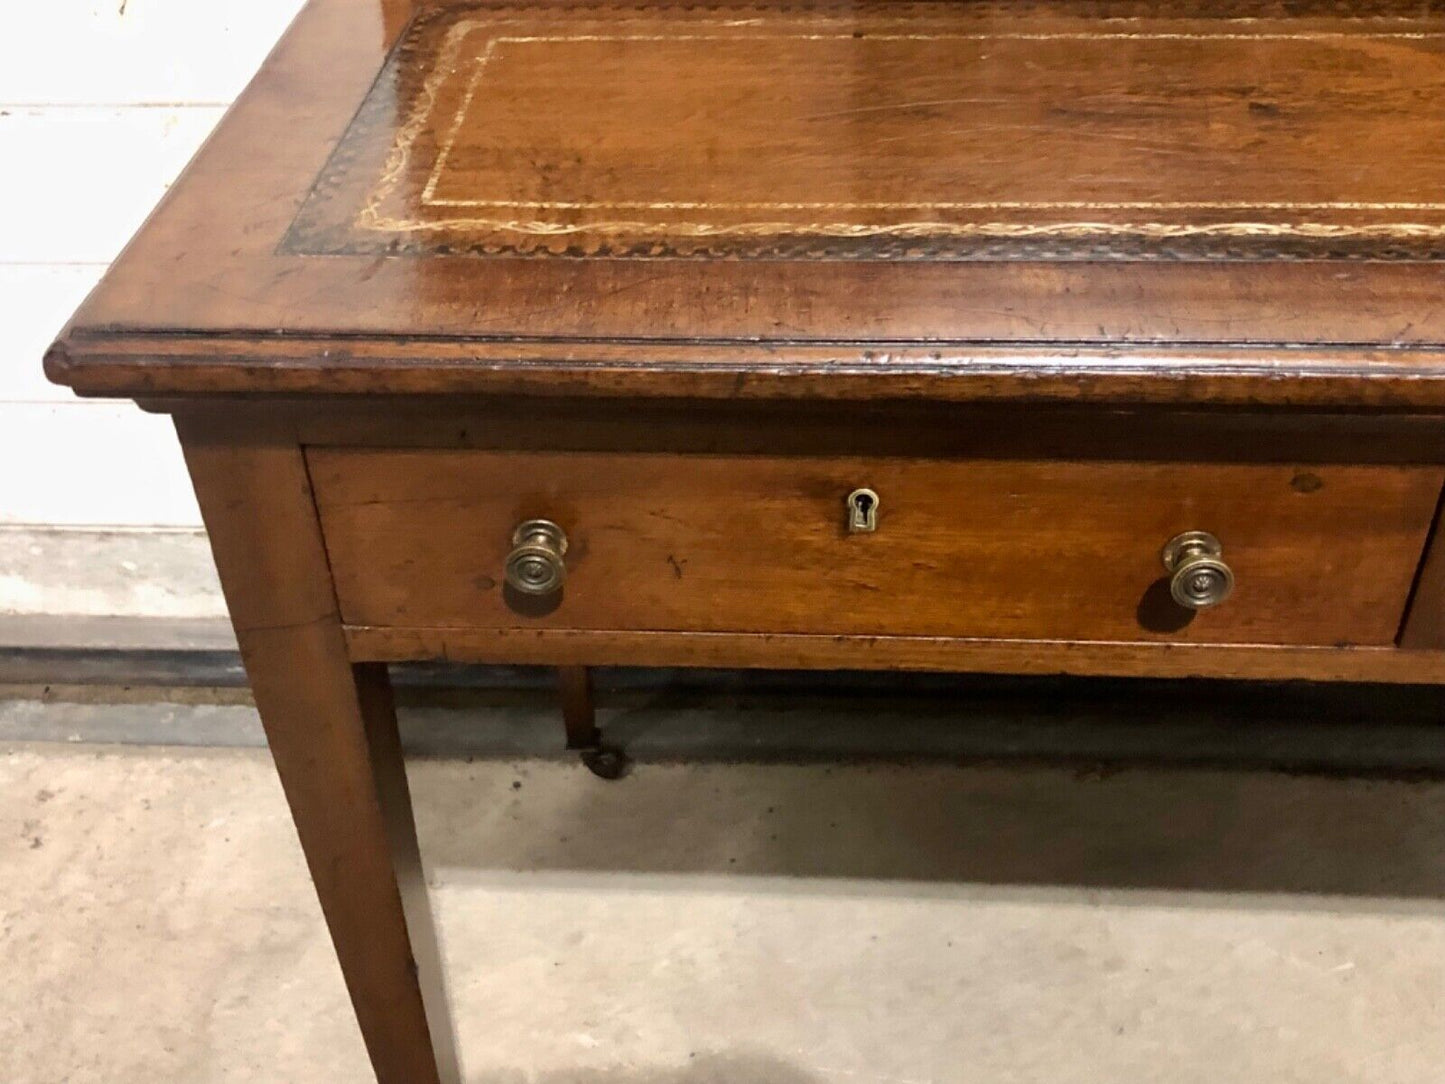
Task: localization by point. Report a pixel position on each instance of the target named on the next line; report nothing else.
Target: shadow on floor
(1177, 829)
(703, 1069)
(761, 716)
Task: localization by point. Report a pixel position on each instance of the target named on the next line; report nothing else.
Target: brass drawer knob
(1198, 576)
(535, 565)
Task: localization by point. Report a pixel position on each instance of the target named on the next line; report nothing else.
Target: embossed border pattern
(368, 230)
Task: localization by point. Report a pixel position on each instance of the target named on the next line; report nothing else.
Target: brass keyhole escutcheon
(1198, 576)
(862, 510)
(535, 565)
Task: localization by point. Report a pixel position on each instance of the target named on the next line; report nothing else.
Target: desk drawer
(967, 548)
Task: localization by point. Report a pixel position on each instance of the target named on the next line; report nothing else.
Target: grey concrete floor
(740, 923)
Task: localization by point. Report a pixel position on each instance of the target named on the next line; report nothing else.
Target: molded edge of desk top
(160, 365)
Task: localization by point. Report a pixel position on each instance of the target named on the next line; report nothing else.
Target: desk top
(1105, 201)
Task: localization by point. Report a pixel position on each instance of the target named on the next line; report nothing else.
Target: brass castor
(606, 763)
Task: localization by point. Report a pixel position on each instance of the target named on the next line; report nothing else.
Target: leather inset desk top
(1086, 201)
(892, 131)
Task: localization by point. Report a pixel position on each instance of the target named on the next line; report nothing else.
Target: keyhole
(862, 510)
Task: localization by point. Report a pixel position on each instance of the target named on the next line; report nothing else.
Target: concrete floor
(740, 924)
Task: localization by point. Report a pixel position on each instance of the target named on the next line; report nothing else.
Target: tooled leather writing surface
(888, 131)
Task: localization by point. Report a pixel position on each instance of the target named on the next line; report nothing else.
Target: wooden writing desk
(1097, 338)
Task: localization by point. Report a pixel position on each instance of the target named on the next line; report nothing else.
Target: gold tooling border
(371, 216)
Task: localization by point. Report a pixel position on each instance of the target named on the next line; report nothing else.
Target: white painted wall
(102, 102)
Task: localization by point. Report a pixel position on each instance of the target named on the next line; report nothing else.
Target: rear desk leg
(579, 715)
(332, 732)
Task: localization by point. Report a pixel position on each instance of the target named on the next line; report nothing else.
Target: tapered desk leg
(332, 732)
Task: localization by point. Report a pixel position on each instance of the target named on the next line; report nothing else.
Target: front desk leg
(332, 732)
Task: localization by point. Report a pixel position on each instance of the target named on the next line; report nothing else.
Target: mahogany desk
(1082, 337)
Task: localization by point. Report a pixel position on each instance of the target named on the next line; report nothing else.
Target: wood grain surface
(1152, 174)
(603, 647)
(332, 733)
(161, 367)
(963, 548)
(1425, 623)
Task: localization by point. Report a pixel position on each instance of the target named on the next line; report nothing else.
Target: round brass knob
(1198, 576)
(535, 566)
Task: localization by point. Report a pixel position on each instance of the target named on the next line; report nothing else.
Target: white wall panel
(102, 103)
(57, 52)
(35, 302)
(77, 183)
(91, 463)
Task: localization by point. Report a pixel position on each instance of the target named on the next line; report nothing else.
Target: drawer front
(962, 548)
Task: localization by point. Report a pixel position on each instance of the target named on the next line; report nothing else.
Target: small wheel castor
(606, 763)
